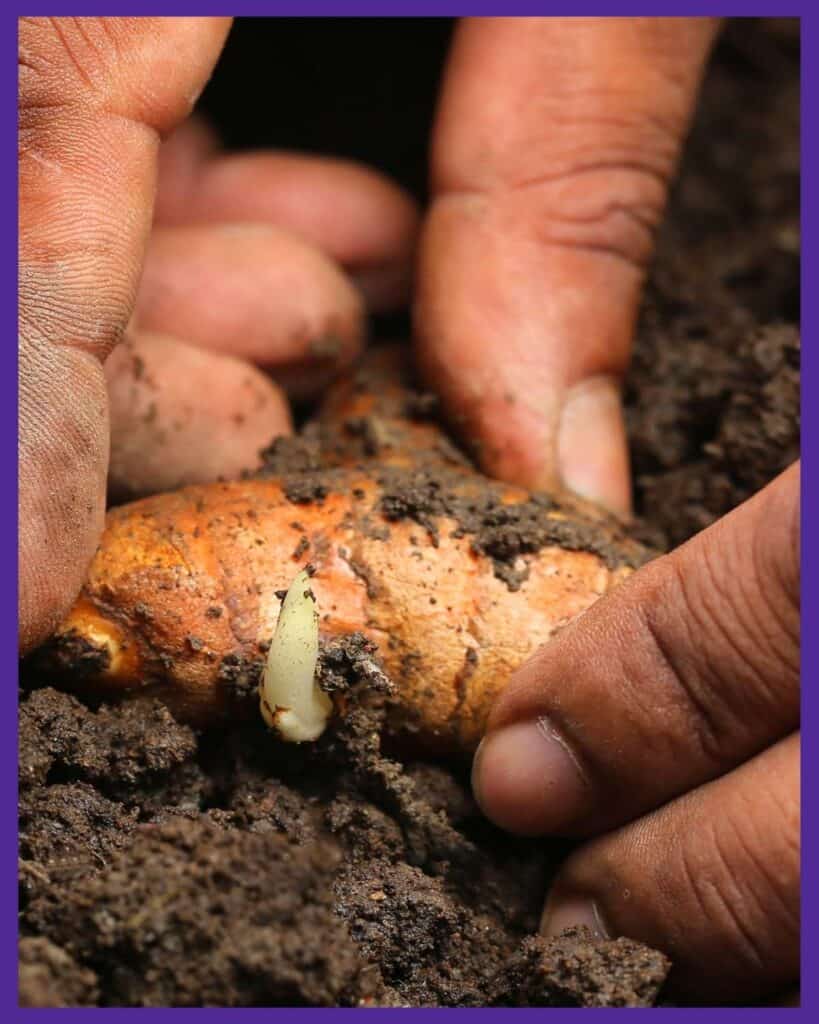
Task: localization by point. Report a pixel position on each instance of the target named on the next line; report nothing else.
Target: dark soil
(164, 867)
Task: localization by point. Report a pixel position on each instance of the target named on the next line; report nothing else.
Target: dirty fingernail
(526, 780)
(592, 450)
(569, 911)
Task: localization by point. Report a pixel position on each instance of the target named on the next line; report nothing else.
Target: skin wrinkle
(761, 867)
(710, 903)
(79, 65)
(710, 609)
(708, 730)
(729, 892)
(620, 228)
(784, 573)
(764, 622)
(81, 26)
(723, 616)
(42, 318)
(595, 761)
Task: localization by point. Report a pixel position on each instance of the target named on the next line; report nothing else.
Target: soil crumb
(49, 977)
(575, 969)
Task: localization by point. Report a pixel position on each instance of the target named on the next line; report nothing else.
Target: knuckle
(603, 187)
(603, 197)
(608, 205)
(611, 227)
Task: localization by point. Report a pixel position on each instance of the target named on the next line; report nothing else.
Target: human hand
(662, 727)
(555, 142)
(254, 260)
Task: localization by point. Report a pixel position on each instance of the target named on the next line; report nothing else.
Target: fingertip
(525, 779)
(354, 214)
(182, 415)
(254, 291)
(592, 448)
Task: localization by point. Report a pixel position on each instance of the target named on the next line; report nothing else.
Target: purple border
(810, 421)
(8, 411)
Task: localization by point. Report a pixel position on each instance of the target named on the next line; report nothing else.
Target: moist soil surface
(164, 867)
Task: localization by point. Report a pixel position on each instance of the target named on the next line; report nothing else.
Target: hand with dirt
(661, 725)
(210, 266)
(554, 146)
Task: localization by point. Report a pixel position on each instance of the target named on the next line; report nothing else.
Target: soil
(160, 866)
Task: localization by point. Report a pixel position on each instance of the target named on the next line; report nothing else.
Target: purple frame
(810, 314)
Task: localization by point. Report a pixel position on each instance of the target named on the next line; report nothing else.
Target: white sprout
(291, 701)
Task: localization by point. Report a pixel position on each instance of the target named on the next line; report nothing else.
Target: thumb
(555, 142)
(95, 94)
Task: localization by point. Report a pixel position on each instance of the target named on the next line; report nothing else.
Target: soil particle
(369, 431)
(296, 460)
(422, 405)
(350, 661)
(241, 675)
(712, 396)
(415, 496)
(307, 489)
(575, 969)
(301, 548)
(366, 831)
(442, 792)
(260, 804)
(286, 455)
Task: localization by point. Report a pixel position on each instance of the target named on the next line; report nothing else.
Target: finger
(683, 672)
(255, 292)
(555, 141)
(711, 879)
(181, 415)
(354, 214)
(94, 96)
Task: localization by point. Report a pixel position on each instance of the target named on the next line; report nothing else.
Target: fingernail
(592, 450)
(526, 779)
(570, 911)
